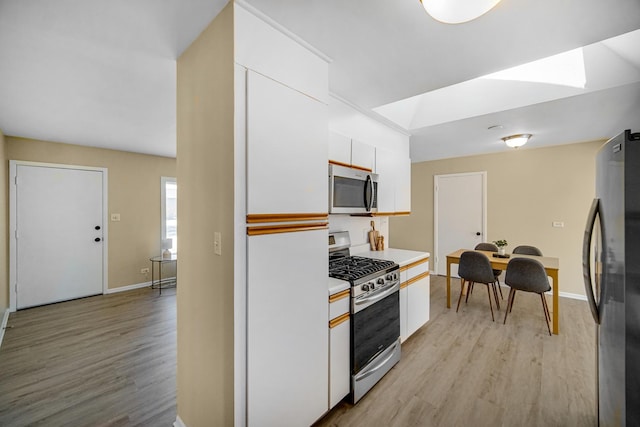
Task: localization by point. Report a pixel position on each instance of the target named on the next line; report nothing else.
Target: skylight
(566, 69)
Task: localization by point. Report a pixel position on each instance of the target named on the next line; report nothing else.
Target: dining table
(551, 266)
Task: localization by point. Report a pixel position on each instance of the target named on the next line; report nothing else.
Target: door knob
(97, 227)
(97, 239)
(478, 233)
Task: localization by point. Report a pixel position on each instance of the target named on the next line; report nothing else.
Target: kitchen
(211, 355)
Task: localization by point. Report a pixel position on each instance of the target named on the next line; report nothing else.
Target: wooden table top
(549, 263)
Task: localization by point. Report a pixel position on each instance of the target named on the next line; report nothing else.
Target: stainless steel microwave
(352, 190)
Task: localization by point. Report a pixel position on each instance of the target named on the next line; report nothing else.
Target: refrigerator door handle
(586, 257)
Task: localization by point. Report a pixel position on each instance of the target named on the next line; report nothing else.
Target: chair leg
(490, 305)
(469, 290)
(546, 312)
(512, 293)
(512, 300)
(499, 288)
(495, 294)
(461, 289)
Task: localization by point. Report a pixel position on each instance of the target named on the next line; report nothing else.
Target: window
(169, 213)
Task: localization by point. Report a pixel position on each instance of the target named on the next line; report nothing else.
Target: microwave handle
(368, 193)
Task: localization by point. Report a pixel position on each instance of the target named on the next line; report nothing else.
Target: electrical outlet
(144, 270)
(115, 217)
(558, 224)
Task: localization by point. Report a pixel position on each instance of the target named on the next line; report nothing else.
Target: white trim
(277, 26)
(163, 209)
(130, 287)
(3, 326)
(178, 422)
(13, 267)
(573, 296)
(436, 181)
(371, 114)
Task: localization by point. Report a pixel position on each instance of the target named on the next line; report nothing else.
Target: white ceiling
(102, 73)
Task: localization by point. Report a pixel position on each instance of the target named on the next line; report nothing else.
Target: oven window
(374, 329)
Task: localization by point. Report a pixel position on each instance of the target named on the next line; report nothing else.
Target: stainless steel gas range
(375, 312)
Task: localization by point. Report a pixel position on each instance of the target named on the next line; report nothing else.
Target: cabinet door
(363, 155)
(287, 150)
(287, 317)
(403, 184)
(340, 148)
(418, 301)
(386, 169)
(339, 372)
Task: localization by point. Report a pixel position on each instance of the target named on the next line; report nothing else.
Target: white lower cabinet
(414, 297)
(287, 349)
(339, 375)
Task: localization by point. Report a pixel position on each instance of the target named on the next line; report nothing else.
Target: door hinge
(15, 180)
(16, 288)
(16, 234)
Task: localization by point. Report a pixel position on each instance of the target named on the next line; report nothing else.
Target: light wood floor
(461, 369)
(108, 360)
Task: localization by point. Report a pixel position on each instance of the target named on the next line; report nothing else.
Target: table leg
(160, 274)
(152, 274)
(448, 283)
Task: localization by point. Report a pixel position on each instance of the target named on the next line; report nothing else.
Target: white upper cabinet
(386, 170)
(339, 148)
(287, 151)
(363, 155)
(262, 48)
(403, 185)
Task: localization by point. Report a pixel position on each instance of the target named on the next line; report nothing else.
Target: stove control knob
(381, 281)
(365, 287)
(389, 276)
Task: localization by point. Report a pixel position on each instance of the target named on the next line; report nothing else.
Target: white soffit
(608, 64)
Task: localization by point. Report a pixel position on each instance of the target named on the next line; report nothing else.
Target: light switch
(115, 217)
(217, 243)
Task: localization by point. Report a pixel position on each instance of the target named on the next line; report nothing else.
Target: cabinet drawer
(417, 268)
(339, 305)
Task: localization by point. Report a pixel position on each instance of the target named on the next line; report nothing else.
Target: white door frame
(436, 180)
(13, 259)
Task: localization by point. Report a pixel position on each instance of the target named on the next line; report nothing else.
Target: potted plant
(501, 244)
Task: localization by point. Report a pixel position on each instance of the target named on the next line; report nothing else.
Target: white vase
(501, 250)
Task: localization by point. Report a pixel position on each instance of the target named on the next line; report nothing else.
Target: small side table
(159, 260)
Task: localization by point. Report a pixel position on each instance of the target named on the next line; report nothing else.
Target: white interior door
(460, 215)
(59, 230)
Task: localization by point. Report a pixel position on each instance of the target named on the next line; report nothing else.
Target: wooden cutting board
(373, 236)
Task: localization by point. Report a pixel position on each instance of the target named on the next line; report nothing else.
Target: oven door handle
(378, 296)
(391, 352)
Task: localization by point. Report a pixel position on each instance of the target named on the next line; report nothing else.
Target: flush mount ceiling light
(457, 11)
(515, 141)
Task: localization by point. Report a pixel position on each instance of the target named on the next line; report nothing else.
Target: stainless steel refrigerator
(611, 267)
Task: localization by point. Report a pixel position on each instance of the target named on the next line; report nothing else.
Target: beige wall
(134, 193)
(4, 227)
(205, 125)
(527, 190)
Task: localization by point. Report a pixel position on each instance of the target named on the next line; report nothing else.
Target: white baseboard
(5, 319)
(573, 296)
(179, 422)
(128, 287)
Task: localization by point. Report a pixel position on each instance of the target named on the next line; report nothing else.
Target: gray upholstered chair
(490, 247)
(528, 275)
(474, 267)
(527, 250)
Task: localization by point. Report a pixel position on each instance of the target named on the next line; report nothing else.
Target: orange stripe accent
(340, 295)
(338, 320)
(287, 217)
(413, 264)
(337, 163)
(286, 228)
(361, 168)
(417, 278)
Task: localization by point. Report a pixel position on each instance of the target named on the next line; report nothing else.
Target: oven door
(375, 327)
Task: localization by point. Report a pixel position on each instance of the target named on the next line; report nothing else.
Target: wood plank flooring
(462, 369)
(108, 360)
(111, 361)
